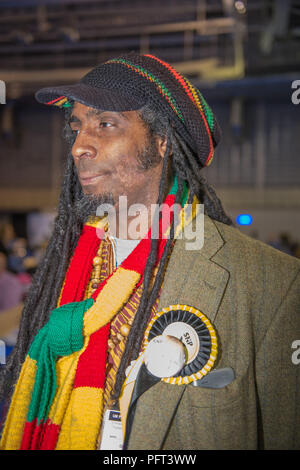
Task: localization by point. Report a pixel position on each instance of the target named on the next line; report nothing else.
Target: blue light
(244, 219)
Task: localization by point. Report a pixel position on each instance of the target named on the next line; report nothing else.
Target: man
(222, 319)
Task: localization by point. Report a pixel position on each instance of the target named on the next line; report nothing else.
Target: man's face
(109, 151)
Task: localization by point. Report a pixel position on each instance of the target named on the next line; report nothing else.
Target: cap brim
(100, 98)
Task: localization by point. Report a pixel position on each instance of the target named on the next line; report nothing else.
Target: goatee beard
(87, 205)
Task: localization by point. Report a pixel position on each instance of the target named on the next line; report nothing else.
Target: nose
(84, 146)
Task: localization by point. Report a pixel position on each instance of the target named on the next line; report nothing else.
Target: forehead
(81, 111)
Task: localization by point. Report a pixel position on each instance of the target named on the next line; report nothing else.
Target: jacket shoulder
(255, 251)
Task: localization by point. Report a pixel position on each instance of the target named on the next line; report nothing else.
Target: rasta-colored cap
(129, 82)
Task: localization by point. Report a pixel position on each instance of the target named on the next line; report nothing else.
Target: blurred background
(243, 55)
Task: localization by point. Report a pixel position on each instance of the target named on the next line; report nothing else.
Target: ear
(162, 145)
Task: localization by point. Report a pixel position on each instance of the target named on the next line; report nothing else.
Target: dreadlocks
(49, 277)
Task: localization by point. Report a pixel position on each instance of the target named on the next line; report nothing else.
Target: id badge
(112, 434)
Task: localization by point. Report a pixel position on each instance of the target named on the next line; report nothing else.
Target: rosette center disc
(165, 356)
(187, 335)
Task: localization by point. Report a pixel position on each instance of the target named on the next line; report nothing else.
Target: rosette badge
(180, 345)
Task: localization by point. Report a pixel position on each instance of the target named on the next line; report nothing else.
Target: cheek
(122, 156)
(126, 165)
(128, 173)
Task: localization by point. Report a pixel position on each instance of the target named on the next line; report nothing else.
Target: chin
(91, 190)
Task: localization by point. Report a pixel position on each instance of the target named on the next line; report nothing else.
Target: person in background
(7, 235)
(11, 289)
(11, 305)
(282, 242)
(12, 293)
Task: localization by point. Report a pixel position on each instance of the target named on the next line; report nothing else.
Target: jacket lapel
(192, 278)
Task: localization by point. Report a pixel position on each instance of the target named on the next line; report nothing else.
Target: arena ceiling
(207, 39)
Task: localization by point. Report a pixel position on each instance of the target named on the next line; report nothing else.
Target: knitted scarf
(58, 399)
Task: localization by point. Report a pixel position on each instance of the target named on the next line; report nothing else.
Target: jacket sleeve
(278, 375)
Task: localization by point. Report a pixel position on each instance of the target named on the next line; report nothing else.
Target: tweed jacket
(251, 294)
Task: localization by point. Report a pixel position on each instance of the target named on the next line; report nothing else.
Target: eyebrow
(73, 118)
(93, 113)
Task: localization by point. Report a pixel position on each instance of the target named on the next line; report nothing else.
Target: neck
(134, 219)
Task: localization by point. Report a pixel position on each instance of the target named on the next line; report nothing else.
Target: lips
(88, 178)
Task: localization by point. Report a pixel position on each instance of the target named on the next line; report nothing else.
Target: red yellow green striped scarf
(57, 402)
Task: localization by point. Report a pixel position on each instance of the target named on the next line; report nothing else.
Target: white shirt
(123, 248)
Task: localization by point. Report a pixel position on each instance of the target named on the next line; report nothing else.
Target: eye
(73, 131)
(105, 124)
